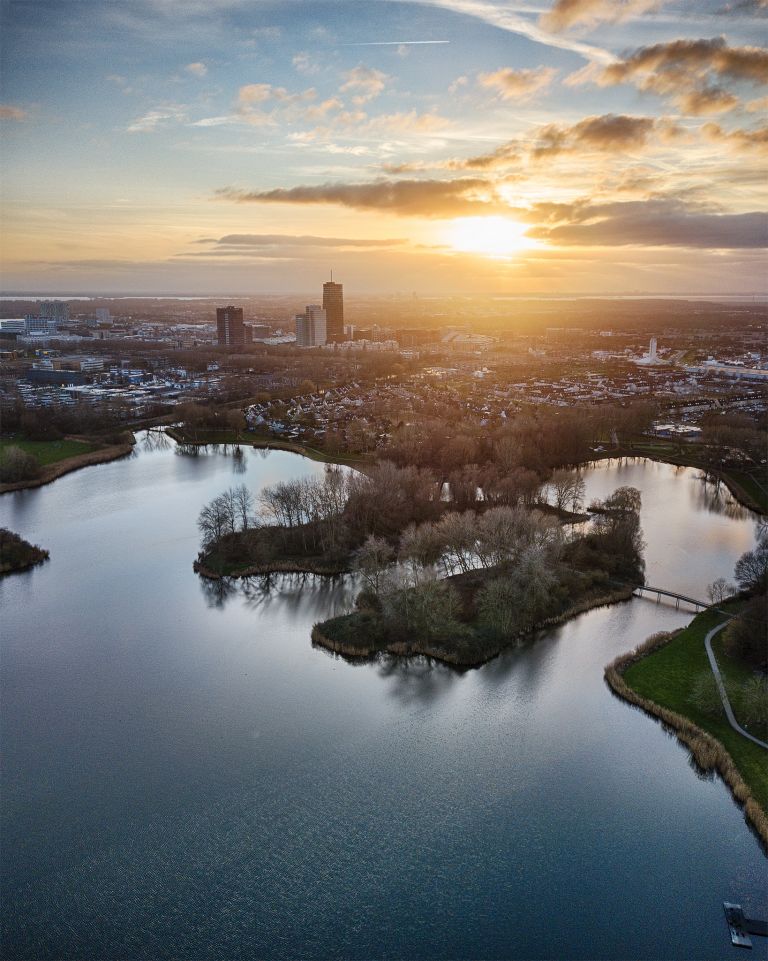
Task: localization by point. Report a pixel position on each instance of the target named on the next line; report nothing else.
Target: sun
(494, 237)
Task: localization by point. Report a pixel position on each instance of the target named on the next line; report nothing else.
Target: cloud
(156, 118)
(661, 222)
(303, 63)
(197, 69)
(690, 72)
(663, 64)
(706, 100)
(741, 141)
(609, 132)
(517, 84)
(297, 240)
(364, 82)
(568, 13)
(252, 97)
(7, 112)
(426, 198)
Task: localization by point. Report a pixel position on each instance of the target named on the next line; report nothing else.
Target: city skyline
(443, 146)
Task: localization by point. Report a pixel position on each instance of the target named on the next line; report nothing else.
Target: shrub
(18, 465)
(705, 694)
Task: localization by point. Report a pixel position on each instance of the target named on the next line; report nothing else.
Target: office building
(55, 311)
(311, 327)
(230, 328)
(333, 304)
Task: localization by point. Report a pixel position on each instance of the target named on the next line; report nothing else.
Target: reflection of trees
(299, 596)
(712, 495)
(154, 440)
(417, 680)
(216, 593)
(239, 465)
(187, 450)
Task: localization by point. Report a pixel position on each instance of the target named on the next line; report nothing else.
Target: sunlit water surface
(186, 777)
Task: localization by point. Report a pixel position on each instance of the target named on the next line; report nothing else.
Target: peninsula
(16, 554)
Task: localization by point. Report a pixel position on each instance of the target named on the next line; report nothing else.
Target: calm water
(185, 777)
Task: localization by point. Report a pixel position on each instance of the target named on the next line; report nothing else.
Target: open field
(666, 677)
(48, 451)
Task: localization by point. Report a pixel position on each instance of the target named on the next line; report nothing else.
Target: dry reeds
(708, 753)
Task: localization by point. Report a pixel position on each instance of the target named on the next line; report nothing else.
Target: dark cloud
(650, 223)
(426, 198)
(610, 132)
(706, 100)
(663, 66)
(299, 240)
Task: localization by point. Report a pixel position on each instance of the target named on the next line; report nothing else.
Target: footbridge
(662, 592)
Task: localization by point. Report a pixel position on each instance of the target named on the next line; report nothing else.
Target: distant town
(346, 376)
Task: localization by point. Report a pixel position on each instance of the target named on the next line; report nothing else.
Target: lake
(186, 777)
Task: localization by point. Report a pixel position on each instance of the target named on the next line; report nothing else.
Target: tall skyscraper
(333, 304)
(311, 330)
(229, 326)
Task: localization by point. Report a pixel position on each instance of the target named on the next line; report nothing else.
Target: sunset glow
(495, 237)
(596, 146)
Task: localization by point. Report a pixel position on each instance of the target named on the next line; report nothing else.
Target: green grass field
(48, 451)
(666, 677)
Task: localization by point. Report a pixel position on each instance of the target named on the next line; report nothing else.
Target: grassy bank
(659, 677)
(16, 554)
(70, 455)
(48, 451)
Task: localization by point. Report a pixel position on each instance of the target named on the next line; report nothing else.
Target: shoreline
(52, 472)
(707, 751)
(737, 492)
(272, 567)
(270, 443)
(410, 649)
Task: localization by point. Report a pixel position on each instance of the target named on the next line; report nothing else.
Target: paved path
(721, 687)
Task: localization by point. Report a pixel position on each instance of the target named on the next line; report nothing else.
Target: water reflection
(416, 681)
(154, 440)
(153, 823)
(216, 593)
(713, 495)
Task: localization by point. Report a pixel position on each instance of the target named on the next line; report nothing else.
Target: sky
(446, 147)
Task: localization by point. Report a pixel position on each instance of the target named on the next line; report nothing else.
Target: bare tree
(568, 487)
(244, 505)
(719, 590)
(372, 560)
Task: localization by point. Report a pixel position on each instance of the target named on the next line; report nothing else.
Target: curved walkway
(721, 687)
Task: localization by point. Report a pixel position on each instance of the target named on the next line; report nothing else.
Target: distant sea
(716, 298)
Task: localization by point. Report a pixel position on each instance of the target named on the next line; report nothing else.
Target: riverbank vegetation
(16, 554)
(670, 677)
(468, 585)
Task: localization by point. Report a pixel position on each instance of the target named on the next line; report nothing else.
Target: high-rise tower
(229, 326)
(333, 305)
(310, 327)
